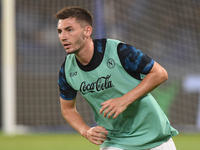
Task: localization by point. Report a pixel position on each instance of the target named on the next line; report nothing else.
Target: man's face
(71, 35)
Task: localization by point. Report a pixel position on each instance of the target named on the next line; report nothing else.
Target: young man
(115, 79)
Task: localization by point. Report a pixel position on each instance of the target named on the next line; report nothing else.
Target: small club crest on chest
(110, 63)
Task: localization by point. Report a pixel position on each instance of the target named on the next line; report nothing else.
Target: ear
(88, 31)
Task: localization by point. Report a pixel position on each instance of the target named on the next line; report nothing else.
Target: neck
(86, 52)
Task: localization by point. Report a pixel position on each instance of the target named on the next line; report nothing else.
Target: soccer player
(115, 79)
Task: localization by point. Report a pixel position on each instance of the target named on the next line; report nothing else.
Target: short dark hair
(75, 12)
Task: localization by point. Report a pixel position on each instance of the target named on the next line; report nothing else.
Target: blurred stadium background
(166, 30)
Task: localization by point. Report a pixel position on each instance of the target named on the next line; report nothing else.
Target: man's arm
(155, 77)
(72, 116)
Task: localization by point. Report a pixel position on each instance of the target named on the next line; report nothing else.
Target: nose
(63, 36)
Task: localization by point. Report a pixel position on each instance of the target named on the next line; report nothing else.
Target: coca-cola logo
(100, 84)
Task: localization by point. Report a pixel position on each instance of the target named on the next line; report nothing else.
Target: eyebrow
(58, 29)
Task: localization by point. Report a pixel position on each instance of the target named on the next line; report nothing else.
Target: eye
(59, 31)
(70, 30)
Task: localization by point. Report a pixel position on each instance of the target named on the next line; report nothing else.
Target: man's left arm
(154, 78)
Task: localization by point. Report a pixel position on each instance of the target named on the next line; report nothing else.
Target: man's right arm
(72, 116)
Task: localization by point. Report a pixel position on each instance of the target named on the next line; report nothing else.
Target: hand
(97, 135)
(113, 107)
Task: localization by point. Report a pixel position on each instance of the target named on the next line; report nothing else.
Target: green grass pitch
(76, 142)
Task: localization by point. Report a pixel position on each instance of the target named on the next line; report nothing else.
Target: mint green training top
(142, 125)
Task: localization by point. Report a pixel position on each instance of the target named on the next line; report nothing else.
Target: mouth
(66, 46)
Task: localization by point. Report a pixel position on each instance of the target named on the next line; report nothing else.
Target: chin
(68, 51)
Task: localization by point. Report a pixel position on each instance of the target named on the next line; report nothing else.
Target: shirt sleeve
(134, 61)
(66, 91)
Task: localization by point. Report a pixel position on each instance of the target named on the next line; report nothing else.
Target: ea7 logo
(73, 74)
